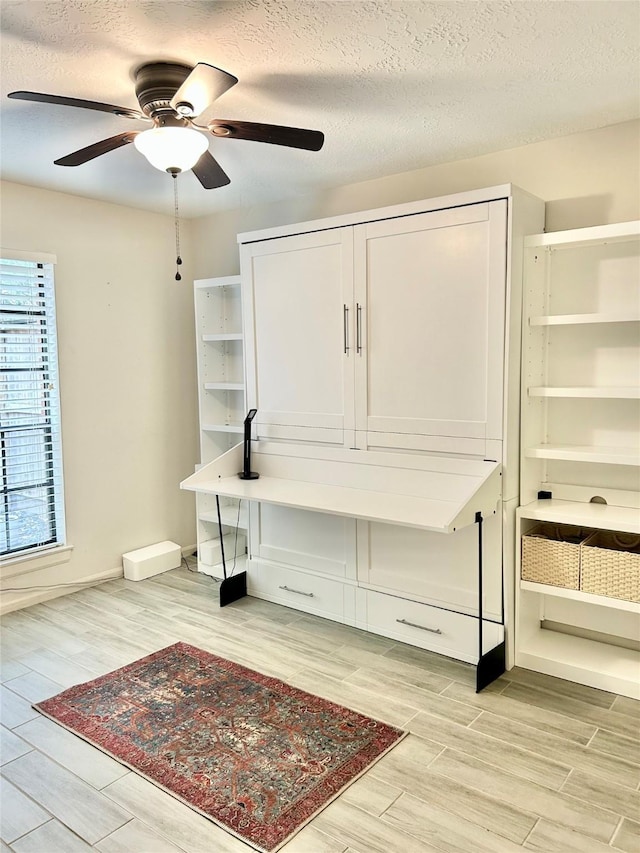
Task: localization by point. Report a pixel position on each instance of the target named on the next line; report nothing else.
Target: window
(32, 515)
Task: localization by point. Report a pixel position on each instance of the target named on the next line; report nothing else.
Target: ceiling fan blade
(209, 172)
(77, 102)
(292, 137)
(77, 158)
(201, 88)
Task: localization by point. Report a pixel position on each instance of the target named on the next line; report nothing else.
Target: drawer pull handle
(422, 627)
(297, 591)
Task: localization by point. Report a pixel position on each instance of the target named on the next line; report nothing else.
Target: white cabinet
(390, 331)
(581, 441)
(394, 328)
(430, 310)
(221, 408)
(298, 294)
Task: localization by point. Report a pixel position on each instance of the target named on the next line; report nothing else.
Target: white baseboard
(36, 596)
(16, 600)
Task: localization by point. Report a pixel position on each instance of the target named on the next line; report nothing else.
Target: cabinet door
(311, 541)
(298, 294)
(434, 568)
(430, 297)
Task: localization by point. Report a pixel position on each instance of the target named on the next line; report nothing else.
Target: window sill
(26, 563)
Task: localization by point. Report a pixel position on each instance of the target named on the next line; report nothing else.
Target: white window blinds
(31, 513)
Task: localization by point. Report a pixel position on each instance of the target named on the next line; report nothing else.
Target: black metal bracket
(490, 666)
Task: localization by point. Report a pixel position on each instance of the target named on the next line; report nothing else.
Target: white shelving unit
(221, 401)
(580, 442)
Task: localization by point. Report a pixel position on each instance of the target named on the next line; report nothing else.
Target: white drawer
(300, 590)
(442, 631)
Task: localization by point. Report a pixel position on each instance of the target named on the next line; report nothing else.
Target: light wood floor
(531, 763)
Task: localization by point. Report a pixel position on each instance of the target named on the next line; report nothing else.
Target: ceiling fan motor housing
(157, 83)
(171, 95)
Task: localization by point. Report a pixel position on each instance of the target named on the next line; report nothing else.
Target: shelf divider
(585, 453)
(579, 319)
(223, 281)
(222, 428)
(224, 386)
(224, 336)
(603, 516)
(626, 392)
(578, 595)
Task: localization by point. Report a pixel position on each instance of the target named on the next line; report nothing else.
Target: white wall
(590, 178)
(127, 376)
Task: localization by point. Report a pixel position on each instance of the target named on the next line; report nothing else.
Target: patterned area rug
(258, 757)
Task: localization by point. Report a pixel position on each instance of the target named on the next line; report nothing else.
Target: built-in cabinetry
(581, 442)
(387, 333)
(392, 331)
(321, 491)
(221, 408)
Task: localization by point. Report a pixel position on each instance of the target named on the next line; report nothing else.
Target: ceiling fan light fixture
(171, 148)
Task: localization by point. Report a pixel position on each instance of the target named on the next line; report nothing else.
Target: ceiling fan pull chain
(176, 217)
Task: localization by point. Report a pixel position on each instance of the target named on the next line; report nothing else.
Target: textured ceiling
(394, 85)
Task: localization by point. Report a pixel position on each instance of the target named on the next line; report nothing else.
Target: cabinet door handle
(345, 327)
(422, 627)
(297, 591)
(359, 328)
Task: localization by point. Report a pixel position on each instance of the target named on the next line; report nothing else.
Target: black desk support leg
(234, 587)
(492, 664)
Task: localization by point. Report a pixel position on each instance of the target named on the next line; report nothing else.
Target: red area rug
(258, 757)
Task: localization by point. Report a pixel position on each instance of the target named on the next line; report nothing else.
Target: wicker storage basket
(551, 555)
(611, 565)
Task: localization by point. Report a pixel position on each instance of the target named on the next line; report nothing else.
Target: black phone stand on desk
(247, 473)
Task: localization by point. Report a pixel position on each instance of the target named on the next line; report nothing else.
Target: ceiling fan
(171, 96)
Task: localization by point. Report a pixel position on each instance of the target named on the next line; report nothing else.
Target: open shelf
(235, 565)
(228, 516)
(593, 391)
(594, 236)
(580, 443)
(223, 281)
(607, 667)
(578, 595)
(583, 319)
(222, 428)
(586, 453)
(224, 336)
(600, 516)
(221, 399)
(224, 386)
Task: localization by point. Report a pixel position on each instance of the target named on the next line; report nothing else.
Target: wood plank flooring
(532, 763)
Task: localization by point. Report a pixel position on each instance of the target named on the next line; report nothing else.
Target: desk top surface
(374, 487)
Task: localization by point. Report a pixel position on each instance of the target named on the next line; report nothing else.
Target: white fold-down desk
(438, 494)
